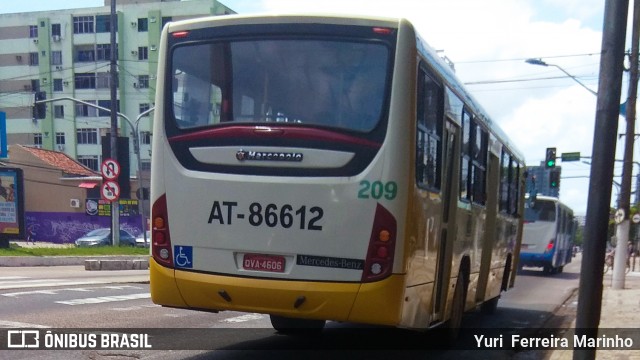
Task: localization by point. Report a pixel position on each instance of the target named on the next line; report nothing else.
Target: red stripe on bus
(269, 131)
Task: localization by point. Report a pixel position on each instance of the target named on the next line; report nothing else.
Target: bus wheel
(452, 326)
(490, 306)
(287, 325)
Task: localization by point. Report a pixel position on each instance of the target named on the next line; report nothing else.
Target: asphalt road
(69, 297)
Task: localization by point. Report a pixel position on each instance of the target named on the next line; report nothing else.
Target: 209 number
(378, 190)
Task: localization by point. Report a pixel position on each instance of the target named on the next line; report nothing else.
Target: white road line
(12, 277)
(105, 299)
(19, 325)
(57, 291)
(243, 318)
(47, 282)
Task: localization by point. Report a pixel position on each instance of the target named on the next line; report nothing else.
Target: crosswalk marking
(243, 318)
(58, 291)
(22, 284)
(105, 299)
(19, 325)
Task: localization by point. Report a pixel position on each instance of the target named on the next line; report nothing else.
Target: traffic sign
(110, 169)
(636, 218)
(110, 191)
(571, 156)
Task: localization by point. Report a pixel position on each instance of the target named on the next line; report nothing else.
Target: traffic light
(40, 110)
(550, 159)
(554, 179)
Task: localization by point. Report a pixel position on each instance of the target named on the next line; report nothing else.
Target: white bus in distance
(549, 234)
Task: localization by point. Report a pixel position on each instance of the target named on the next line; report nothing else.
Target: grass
(17, 250)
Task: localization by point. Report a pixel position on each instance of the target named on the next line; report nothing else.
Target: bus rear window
(540, 211)
(318, 82)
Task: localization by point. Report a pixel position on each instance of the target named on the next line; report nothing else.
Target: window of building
(57, 84)
(85, 53)
(145, 137)
(107, 105)
(143, 25)
(82, 24)
(56, 58)
(103, 23)
(83, 110)
(58, 111)
(56, 30)
(143, 107)
(33, 59)
(87, 136)
(85, 81)
(143, 81)
(60, 138)
(143, 53)
(103, 79)
(103, 52)
(145, 165)
(33, 31)
(37, 140)
(90, 161)
(35, 85)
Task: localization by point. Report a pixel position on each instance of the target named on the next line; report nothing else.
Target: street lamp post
(542, 63)
(136, 149)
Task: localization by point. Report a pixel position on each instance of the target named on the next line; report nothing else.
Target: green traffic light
(550, 163)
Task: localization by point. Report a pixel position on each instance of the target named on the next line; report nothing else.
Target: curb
(134, 264)
(121, 262)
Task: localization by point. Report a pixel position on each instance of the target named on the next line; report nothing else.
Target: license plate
(260, 262)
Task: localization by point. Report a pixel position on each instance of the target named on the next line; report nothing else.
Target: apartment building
(66, 53)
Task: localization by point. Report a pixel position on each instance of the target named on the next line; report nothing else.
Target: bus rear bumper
(373, 303)
(535, 260)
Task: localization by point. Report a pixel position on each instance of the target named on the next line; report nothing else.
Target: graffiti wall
(65, 228)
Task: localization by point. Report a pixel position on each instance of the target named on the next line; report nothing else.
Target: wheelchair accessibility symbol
(183, 256)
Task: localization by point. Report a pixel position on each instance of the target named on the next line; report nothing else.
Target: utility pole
(622, 229)
(603, 155)
(115, 206)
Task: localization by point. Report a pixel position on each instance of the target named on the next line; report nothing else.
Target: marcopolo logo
(243, 155)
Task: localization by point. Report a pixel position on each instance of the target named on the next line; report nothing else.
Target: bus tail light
(161, 241)
(549, 247)
(379, 261)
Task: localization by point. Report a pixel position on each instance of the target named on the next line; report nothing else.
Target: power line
(523, 59)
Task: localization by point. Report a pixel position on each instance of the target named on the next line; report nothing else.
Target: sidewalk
(620, 309)
(114, 262)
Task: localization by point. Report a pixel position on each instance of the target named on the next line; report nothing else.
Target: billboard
(11, 205)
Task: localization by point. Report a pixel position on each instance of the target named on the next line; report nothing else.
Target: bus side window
(429, 132)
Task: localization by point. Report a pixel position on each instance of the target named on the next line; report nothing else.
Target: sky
(489, 41)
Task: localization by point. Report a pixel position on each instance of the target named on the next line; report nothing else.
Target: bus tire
(453, 325)
(490, 306)
(286, 325)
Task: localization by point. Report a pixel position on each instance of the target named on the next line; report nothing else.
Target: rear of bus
(539, 234)
(274, 189)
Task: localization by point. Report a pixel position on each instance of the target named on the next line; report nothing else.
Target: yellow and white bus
(326, 168)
